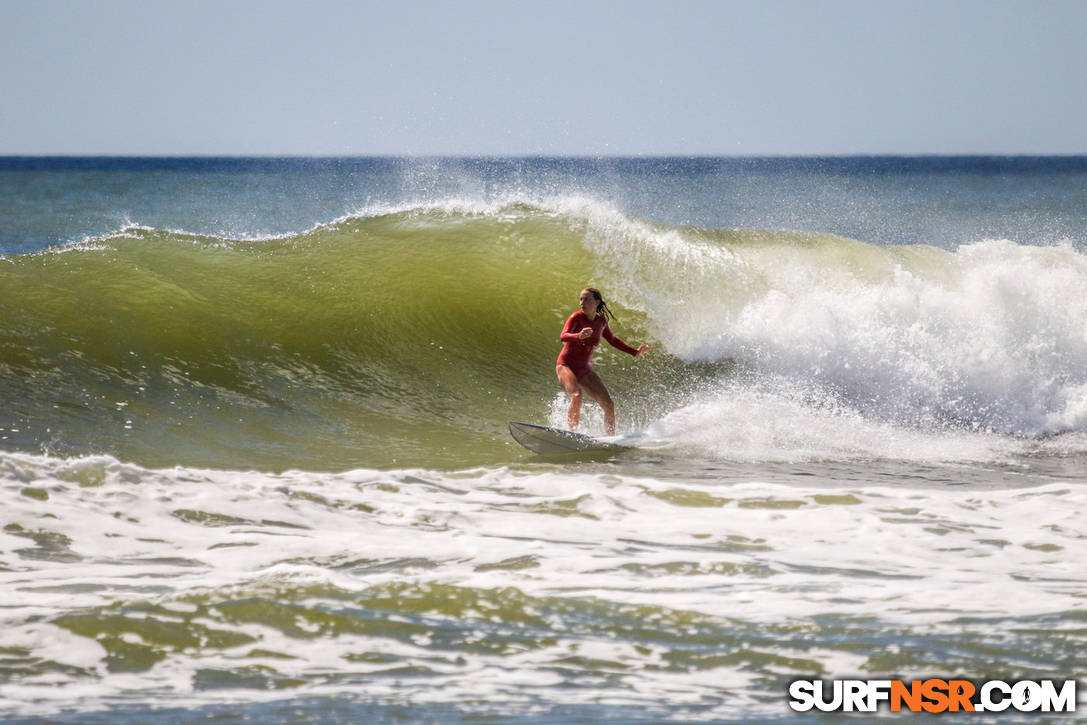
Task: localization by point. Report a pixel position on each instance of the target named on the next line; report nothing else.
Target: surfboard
(543, 439)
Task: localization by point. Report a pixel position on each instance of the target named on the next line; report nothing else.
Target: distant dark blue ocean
(944, 201)
(255, 464)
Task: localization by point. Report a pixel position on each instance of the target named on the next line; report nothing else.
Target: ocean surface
(255, 467)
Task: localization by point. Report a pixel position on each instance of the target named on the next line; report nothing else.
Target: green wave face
(400, 339)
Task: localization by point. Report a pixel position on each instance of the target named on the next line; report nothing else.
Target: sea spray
(992, 336)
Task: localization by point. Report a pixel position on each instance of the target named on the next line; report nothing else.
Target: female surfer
(580, 337)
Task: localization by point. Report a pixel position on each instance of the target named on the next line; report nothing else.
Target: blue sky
(557, 78)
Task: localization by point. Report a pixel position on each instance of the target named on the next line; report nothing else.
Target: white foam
(993, 335)
(775, 420)
(669, 553)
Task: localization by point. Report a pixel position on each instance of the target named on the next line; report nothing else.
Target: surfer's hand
(642, 350)
(585, 334)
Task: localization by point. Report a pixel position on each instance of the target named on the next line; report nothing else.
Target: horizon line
(485, 156)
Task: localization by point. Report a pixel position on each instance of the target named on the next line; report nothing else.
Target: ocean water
(255, 465)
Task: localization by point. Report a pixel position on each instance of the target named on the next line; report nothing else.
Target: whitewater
(255, 463)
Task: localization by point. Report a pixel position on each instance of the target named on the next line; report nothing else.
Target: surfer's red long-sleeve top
(576, 354)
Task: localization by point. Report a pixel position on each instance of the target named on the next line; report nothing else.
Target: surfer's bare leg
(594, 386)
(569, 384)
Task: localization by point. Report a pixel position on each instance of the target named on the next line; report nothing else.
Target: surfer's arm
(619, 344)
(569, 333)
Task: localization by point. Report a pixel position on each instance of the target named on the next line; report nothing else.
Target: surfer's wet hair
(602, 308)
